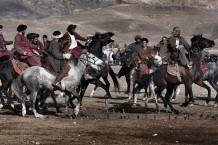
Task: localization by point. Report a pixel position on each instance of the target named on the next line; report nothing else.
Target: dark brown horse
(163, 80)
(95, 47)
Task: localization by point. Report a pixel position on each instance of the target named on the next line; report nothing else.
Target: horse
(36, 78)
(212, 78)
(162, 79)
(155, 62)
(127, 67)
(95, 47)
(7, 75)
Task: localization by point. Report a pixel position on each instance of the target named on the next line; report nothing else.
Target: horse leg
(55, 102)
(93, 91)
(168, 96)
(33, 97)
(18, 92)
(174, 93)
(2, 102)
(107, 83)
(202, 84)
(152, 89)
(128, 81)
(83, 86)
(216, 99)
(145, 98)
(67, 102)
(188, 87)
(77, 108)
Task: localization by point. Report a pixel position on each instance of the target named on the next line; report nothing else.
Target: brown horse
(163, 80)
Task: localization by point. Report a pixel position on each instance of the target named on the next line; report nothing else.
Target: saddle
(173, 69)
(18, 66)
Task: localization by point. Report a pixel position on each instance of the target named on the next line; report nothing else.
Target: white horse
(157, 61)
(35, 78)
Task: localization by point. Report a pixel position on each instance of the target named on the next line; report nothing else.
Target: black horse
(127, 66)
(95, 47)
(163, 80)
(7, 75)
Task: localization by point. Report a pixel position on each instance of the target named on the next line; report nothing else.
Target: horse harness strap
(18, 66)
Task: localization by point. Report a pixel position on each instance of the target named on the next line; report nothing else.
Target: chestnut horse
(163, 80)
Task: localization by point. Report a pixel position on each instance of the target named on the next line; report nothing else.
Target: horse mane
(4, 58)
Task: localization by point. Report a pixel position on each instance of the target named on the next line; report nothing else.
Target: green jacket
(178, 55)
(56, 56)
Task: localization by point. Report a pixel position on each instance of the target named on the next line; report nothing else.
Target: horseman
(130, 49)
(46, 42)
(25, 48)
(3, 50)
(34, 39)
(162, 49)
(178, 48)
(58, 59)
(70, 43)
(142, 58)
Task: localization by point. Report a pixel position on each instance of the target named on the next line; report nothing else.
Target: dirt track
(96, 126)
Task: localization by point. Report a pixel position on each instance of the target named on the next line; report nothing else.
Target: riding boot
(56, 83)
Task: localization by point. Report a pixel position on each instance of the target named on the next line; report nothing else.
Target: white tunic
(73, 42)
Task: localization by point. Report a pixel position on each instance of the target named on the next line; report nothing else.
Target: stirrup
(57, 85)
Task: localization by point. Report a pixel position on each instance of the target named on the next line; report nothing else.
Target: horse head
(156, 59)
(98, 41)
(198, 43)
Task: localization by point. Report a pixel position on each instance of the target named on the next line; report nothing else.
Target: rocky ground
(121, 124)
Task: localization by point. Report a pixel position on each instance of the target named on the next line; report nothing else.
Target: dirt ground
(121, 124)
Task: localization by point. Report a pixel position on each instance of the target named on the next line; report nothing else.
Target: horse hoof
(1, 106)
(205, 103)
(40, 116)
(165, 105)
(58, 110)
(76, 112)
(176, 111)
(12, 106)
(184, 104)
(215, 105)
(191, 105)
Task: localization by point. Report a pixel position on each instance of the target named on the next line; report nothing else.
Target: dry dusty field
(121, 124)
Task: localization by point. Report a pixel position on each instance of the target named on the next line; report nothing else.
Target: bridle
(196, 44)
(87, 58)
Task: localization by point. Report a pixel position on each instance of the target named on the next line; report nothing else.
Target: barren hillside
(150, 18)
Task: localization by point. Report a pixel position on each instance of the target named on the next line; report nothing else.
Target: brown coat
(143, 56)
(21, 45)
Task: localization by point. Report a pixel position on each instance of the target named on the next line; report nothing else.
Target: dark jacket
(133, 46)
(178, 55)
(55, 56)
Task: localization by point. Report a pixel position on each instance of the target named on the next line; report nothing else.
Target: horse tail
(17, 87)
(114, 78)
